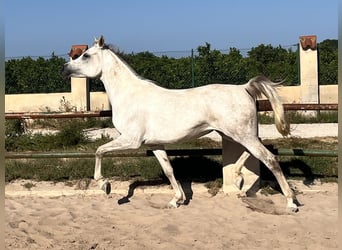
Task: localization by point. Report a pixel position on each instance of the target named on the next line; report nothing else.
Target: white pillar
(308, 70)
(80, 93)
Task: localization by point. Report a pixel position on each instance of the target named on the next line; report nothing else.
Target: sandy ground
(59, 216)
(79, 216)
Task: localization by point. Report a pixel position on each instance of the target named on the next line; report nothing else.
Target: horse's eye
(86, 56)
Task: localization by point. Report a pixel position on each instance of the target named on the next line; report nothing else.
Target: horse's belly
(169, 135)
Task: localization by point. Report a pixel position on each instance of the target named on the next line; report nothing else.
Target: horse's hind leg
(168, 170)
(259, 151)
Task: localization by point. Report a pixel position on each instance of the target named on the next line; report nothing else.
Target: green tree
(208, 65)
(276, 63)
(234, 67)
(165, 71)
(27, 75)
(328, 61)
(35, 76)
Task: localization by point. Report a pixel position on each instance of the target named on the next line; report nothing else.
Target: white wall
(99, 100)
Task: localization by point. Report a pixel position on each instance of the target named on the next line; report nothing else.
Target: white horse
(145, 113)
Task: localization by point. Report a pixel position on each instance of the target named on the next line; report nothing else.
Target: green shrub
(13, 131)
(71, 134)
(15, 127)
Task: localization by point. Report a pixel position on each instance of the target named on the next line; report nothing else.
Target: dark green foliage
(35, 76)
(167, 72)
(275, 63)
(211, 66)
(328, 62)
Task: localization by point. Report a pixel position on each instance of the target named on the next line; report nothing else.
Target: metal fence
(170, 152)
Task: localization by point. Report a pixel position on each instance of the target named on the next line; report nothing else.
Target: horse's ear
(101, 41)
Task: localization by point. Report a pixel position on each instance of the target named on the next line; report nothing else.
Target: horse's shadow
(203, 169)
(186, 170)
(294, 168)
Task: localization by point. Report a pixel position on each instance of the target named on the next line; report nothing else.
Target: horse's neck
(114, 68)
(117, 76)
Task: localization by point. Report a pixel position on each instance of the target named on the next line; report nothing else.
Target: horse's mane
(119, 53)
(115, 49)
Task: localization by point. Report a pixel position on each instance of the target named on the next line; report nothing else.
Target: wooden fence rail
(262, 105)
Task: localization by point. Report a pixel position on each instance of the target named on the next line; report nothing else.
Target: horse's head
(89, 64)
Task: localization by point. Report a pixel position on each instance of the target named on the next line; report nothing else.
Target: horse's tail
(262, 85)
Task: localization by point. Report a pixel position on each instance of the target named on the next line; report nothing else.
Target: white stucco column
(80, 93)
(308, 69)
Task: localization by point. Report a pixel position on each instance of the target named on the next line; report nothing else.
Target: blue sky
(40, 27)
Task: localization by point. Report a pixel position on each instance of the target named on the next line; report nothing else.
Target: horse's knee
(168, 172)
(98, 153)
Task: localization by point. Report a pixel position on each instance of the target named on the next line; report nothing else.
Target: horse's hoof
(293, 209)
(172, 205)
(292, 205)
(106, 187)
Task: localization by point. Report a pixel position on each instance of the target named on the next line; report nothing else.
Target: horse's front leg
(119, 143)
(168, 170)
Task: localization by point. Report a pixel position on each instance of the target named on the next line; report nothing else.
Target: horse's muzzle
(65, 71)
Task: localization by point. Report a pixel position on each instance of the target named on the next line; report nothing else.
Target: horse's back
(175, 115)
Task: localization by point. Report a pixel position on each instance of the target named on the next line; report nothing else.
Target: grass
(200, 169)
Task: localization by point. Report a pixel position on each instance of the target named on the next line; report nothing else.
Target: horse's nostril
(64, 71)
